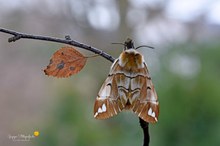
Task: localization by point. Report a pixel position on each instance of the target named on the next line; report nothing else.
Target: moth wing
(108, 103)
(147, 105)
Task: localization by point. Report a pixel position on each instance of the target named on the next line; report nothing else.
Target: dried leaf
(65, 62)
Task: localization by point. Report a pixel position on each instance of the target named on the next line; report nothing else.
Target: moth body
(128, 86)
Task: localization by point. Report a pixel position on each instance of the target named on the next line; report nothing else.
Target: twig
(144, 126)
(69, 41)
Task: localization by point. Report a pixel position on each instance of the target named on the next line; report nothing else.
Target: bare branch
(69, 41)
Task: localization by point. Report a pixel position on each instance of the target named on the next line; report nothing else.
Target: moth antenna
(129, 44)
(120, 44)
(144, 46)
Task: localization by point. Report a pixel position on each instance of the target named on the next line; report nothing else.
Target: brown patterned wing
(147, 105)
(108, 102)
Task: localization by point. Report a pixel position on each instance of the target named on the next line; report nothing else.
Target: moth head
(129, 44)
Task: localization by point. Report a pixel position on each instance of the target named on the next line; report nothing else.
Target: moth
(128, 87)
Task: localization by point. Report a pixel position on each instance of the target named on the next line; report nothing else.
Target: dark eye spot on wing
(60, 65)
(109, 84)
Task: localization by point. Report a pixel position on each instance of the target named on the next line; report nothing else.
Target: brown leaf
(65, 62)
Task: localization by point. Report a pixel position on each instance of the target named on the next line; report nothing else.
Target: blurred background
(185, 69)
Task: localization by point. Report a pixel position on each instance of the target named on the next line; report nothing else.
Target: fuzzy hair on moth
(128, 86)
